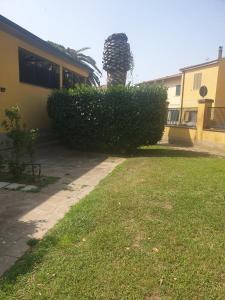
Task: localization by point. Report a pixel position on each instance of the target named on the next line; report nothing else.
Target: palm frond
(83, 49)
(86, 60)
(89, 61)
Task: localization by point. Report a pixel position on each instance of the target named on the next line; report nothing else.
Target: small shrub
(118, 118)
(32, 242)
(21, 138)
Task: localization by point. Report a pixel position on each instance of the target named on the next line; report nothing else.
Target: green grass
(153, 229)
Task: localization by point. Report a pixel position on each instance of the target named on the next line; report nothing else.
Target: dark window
(70, 78)
(37, 70)
(178, 88)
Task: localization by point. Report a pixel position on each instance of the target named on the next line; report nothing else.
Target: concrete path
(31, 215)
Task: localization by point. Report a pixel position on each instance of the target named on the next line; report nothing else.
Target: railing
(216, 118)
(182, 116)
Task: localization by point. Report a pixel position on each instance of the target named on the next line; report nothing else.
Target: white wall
(170, 83)
(174, 101)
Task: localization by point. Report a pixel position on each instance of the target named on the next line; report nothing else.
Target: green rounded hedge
(118, 118)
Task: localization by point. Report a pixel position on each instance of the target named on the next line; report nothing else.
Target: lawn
(153, 229)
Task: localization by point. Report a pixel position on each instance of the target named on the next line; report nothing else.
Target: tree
(117, 58)
(79, 56)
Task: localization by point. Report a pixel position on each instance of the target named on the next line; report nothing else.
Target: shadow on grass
(163, 151)
(28, 261)
(168, 152)
(160, 151)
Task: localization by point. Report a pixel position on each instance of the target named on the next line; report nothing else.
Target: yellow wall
(179, 135)
(213, 139)
(207, 138)
(30, 98)
(210, 139)
(220, 92)
(209, 78)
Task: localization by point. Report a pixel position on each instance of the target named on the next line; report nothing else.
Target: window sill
(38, 86)
(181, 126)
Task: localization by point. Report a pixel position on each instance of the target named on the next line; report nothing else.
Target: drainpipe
(182, 97)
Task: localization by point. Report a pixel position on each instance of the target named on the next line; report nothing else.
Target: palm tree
(117, 58)
(78, 55)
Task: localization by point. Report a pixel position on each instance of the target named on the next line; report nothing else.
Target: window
(197, 81)
(173, 116)
(37, 70)
(190, 118)
(70, 78)
(193, 117)
(178, 88)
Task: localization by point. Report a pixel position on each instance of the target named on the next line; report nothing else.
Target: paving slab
(29, 188)
(14, 186)
(3, 184)
(30, 215)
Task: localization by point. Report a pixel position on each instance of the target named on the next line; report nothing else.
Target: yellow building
(210, 74)
(173, 85)
(183, 90)
(30, 69)
(200, 120)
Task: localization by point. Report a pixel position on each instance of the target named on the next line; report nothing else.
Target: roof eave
(212, 62)
(21, 33)
(163, 78)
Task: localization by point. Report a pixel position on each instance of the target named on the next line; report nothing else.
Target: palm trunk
(117, 58)
(116, 77)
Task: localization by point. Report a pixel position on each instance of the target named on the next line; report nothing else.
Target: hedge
(118, 118)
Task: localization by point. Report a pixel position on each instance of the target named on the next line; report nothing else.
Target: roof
(208, 63)
(23, 34)
(163, 78)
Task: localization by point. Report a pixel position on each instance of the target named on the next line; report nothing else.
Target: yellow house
(30, 69)
(210, 74)
(173, 85)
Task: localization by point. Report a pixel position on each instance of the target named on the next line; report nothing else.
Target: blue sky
(164, 35)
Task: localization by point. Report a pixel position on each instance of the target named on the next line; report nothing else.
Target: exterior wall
(30, 98)
(188, 137)
(207, 138)
(170, 83)
(174, 101)
(213, 139)
(179, 135)
(209, 78)
(220, 92)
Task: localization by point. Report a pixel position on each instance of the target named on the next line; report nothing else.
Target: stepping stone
(3, 184)
(29, 188)
(14, 186)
